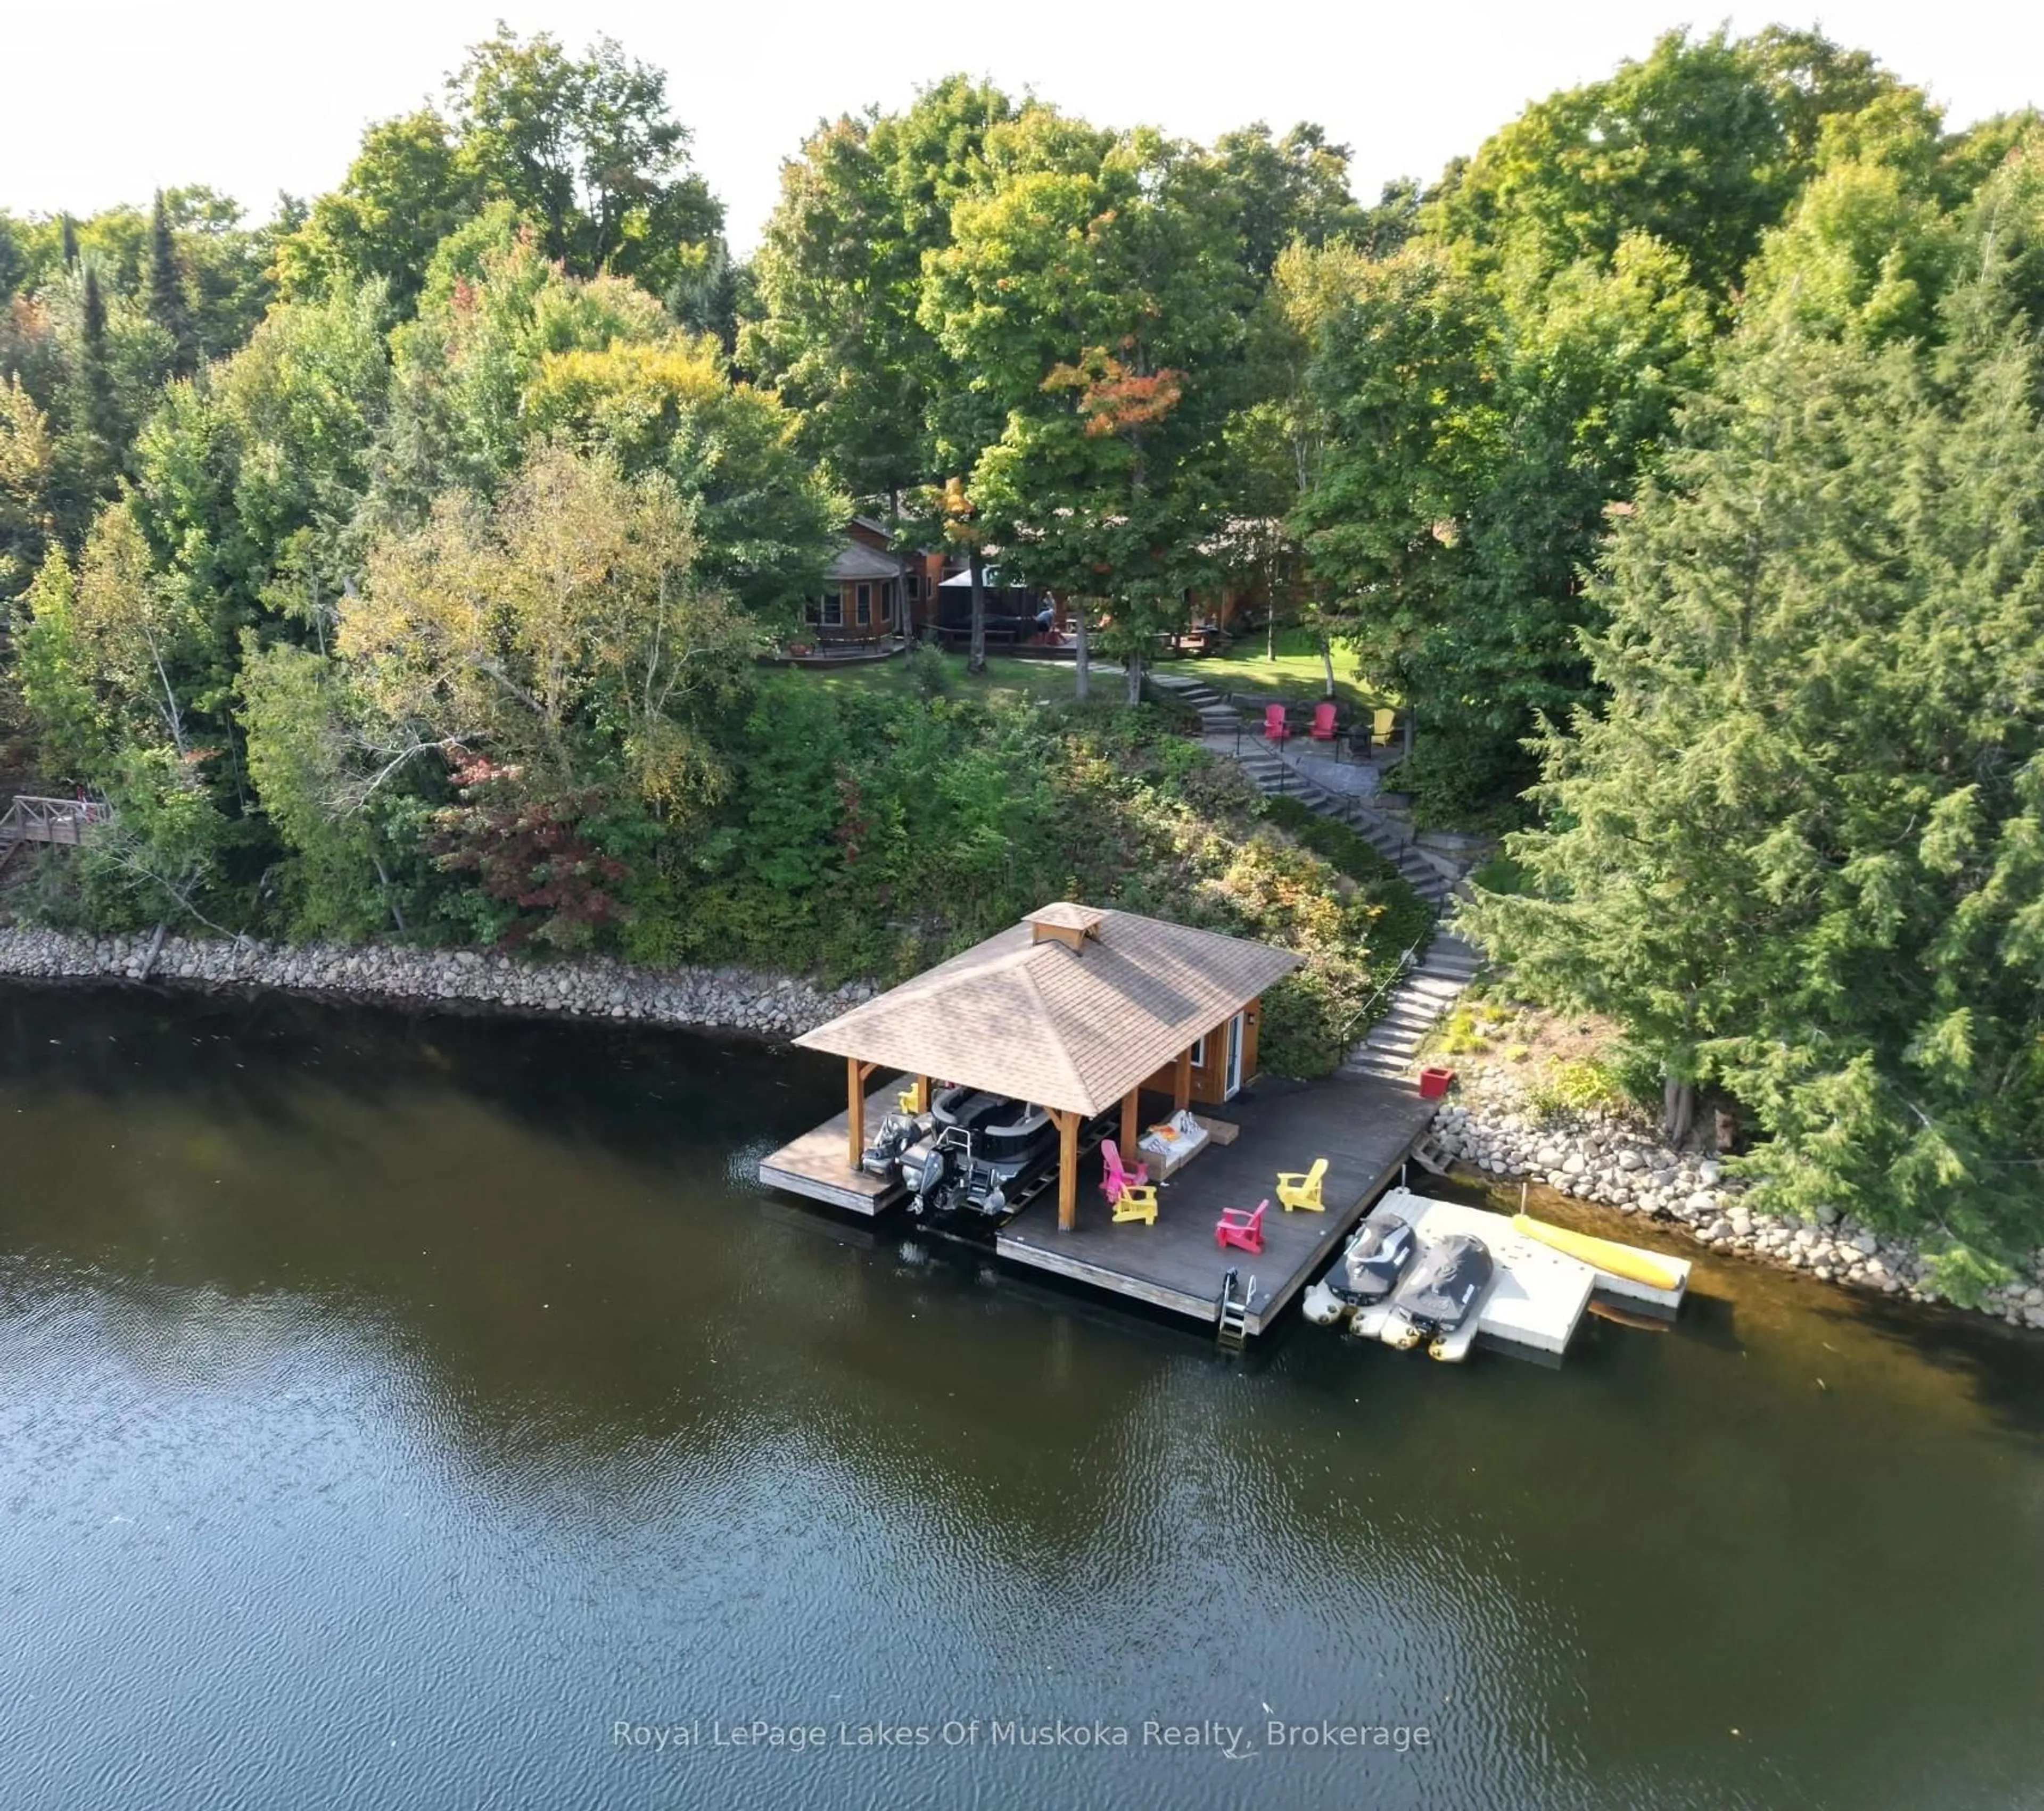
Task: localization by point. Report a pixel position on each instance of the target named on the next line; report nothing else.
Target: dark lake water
(392, 1408)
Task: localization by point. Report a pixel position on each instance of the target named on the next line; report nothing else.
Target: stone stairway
(1217, 716)
(1222, 729)
(1430, 986)
(1417, 1002)
(1272, 775)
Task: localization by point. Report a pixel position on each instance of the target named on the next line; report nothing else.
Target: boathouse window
(1199, 1052)
(865, 605)
(834, 611)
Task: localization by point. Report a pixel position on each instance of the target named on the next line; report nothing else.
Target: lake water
(392, 1408)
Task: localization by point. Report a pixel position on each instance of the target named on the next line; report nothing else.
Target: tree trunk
(1678, 1107)
(976, 659)
(1082, 653)
(1327, 661)
(1134, 670)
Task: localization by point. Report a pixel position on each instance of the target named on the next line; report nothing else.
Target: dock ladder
(1231, 1322)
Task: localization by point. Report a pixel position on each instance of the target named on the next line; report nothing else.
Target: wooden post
(855, 1073)
(1128, 1106)
(1068, 1168)
(1181, 1083)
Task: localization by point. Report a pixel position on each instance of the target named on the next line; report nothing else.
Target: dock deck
(1363, 1127)
(815, 1164)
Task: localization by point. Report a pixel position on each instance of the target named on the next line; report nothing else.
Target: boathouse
(1074, 1010)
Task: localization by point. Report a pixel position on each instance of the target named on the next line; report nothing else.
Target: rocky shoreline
(1492, 1127)
(700, 999)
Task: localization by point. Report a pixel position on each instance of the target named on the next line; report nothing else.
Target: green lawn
(1296, 676)
(1006, 680)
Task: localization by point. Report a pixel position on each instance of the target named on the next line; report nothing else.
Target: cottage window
(865, 605)
(887, 603)
(813, 612)
(915, 584)
(834, 611)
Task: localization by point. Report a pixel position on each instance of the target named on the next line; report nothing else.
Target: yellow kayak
(1602, 1254)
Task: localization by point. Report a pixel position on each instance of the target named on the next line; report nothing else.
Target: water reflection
(391, 1404)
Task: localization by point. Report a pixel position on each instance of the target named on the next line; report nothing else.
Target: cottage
(871, 593)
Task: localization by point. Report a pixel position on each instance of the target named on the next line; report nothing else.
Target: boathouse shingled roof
(1067, 1021)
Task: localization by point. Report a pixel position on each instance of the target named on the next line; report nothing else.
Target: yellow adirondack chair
(1301, 1188)
(1136, 1203)
(1381, 724)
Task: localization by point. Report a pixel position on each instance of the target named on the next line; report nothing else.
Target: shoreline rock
(761, 1004)
(1615, 1161)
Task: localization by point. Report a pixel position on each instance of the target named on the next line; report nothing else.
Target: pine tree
(168, 307)
(92, 443)
(1800, 854)
(67, 240)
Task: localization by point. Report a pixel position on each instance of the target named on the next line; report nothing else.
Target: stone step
(1381, 1071)
(1437, 992)
(1384, 1035)
(1456, 975)
(1406, 1022)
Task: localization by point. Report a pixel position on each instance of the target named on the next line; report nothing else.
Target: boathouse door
(1231, 1084)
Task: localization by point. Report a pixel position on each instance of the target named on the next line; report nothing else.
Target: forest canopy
(1673, 461)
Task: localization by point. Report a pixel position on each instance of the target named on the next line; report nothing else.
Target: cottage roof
(856, 561)
(1069, 1009)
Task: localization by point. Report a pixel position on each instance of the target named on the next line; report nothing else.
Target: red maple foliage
(530, 853)
(1115, 398)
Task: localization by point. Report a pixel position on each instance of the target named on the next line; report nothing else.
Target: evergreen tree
(1801, 853)
(167, 306)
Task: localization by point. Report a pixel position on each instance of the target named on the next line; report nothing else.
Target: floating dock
(1364, 1128)
(1538, 1295)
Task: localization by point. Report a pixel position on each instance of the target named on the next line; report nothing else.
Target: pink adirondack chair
(1275, 728)
(1243, 1228)
(1324, 720)
(1114, 1178)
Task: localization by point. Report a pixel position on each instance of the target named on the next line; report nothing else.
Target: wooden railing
(51, 820)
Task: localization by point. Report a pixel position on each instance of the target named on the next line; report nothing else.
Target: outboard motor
(931, 1172)
(897, 1131)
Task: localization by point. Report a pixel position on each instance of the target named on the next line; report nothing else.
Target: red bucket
(1434, 1083)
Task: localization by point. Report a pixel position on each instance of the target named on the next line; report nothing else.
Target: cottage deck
(1363, 1127)
(814, 1164)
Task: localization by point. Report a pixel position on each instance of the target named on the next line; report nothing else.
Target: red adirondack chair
(1324, 720)
(1114, 1178)
(1275, 728)
(1243, 1228)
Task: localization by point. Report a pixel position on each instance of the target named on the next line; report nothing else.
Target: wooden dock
(1363, 1126)
(816, 1165)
